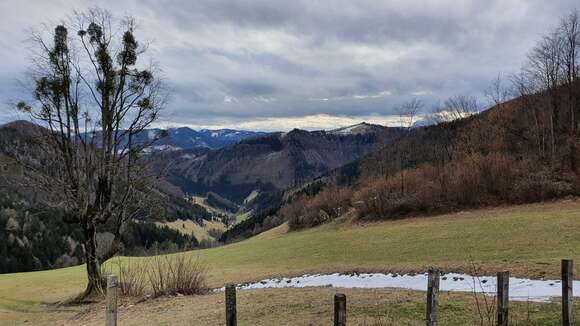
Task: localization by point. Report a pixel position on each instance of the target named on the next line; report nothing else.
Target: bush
(476, 180)
(159, 276)
(132, 277)
(329, 204)
(177, 274)
(472, 180)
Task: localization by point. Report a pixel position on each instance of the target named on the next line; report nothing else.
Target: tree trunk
(95, 280)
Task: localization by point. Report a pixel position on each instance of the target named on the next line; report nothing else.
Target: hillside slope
(493, 239)
(512, 153)
(36, 233)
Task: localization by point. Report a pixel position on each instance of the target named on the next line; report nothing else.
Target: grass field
(313, 306)
(528, 240)
(190, 227)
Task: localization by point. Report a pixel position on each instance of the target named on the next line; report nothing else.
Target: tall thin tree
(94, 97)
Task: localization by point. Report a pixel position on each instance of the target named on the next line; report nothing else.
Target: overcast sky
(277, 65)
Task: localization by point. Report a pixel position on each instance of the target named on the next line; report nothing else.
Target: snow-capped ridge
(357, 129)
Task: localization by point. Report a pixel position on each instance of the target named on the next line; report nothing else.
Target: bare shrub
(484, 304)
(177, 274)
(131, 273)
(473, 181)
(327, 205)
(132, 277)
(159, 275)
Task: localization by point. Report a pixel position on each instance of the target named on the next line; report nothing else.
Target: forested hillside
(36, 234)
(272, 162)
(524, 148)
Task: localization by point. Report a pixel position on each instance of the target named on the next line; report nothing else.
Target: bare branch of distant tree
(408, 111)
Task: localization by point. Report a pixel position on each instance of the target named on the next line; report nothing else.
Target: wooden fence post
(503, 284)
(567, 294)
(339, 309)
(111, 301)
(231, 313)
(432, 296)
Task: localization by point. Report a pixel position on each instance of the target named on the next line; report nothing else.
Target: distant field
(202, 202)
(242, 217)
(190, 227)
(528, 240)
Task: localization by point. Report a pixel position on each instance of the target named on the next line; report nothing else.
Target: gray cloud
(248, 63)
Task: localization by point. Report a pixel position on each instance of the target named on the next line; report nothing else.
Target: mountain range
(271, 162)
(234, 163)
(180, 138)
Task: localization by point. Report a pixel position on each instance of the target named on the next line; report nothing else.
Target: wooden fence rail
(340, 309)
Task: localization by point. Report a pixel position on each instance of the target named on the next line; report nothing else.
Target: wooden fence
(431, 313)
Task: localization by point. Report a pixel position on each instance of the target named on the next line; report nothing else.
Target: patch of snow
(357, 129)
(188, 156)
(151, 134)
(520, 289)
(157, 148)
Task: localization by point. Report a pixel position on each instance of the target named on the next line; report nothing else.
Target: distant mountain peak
(19, 124)
(358, 129)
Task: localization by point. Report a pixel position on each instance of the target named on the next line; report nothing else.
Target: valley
(244, 162)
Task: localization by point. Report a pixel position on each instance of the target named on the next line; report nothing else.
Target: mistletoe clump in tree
(94, 97)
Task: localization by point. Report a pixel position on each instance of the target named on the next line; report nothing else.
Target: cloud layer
(267, 64)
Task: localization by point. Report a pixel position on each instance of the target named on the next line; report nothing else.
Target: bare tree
(526, 90)
(461, 107)
(458, 107)
(408, 111)
(569, 32)
(544, 65)
(454, 108)
(94, 97)
(497, 93)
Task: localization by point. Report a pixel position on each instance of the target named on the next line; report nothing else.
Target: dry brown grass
(311, 306)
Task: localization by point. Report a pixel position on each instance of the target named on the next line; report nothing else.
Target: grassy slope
(191, 227)
(201, 201)
(528, 240)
